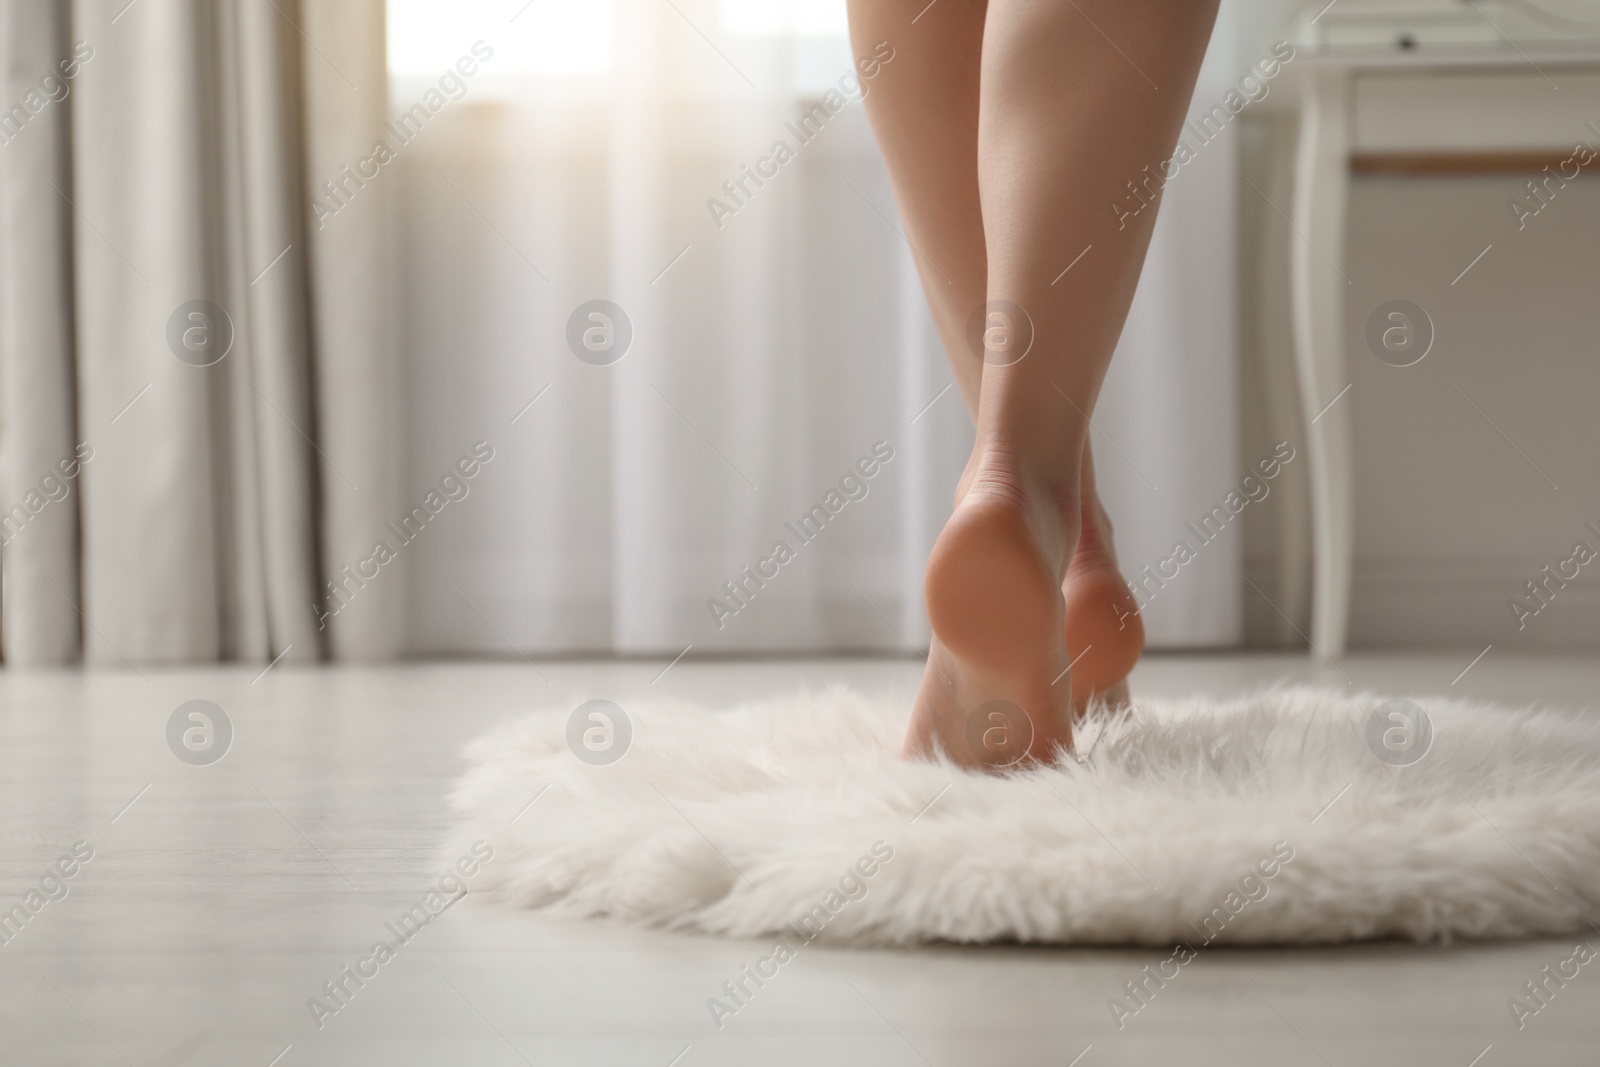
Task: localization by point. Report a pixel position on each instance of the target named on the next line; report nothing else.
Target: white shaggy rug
(1274, 818)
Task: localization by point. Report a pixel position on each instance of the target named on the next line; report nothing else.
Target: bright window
(567, 38)
(548, 38)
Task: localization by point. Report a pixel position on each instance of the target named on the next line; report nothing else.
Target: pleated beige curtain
(161, 504)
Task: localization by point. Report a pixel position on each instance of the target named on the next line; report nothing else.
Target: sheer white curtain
(196, 409)
(780, 347)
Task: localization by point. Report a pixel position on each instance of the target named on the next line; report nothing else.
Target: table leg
(1317, 291)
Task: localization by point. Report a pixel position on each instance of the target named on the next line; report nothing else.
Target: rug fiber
(1271, 818)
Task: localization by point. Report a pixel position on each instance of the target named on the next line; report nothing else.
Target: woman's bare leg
(924, 111)
(1076, 99)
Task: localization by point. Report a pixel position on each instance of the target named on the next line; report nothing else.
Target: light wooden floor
(220, 898)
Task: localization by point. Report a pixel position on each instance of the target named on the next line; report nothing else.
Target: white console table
(1445, 111)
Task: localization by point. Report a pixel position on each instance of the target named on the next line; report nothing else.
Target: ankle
(1096, 549)
(1049, 493)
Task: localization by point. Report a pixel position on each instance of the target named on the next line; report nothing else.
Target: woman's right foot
(1104, 626)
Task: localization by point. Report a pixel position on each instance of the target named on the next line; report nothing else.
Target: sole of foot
(983, 701)
(1104, 629)
(991, 697)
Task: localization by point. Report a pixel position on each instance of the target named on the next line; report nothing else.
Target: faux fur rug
(1275, 818)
